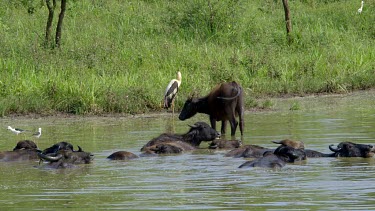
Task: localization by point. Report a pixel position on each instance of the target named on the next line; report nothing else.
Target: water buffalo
(224, 144)
(24, 151)
(122, 155)
(223, 104)
(268, 160)
(350, 149)
(25, 144)
(315, 154)
(292, 143)
(66, 158)
(59, 146)
(170, 148)
(277, 159)
(300, 145)
(248, 151)
(175, 143)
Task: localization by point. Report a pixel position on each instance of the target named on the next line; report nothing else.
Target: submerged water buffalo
(292, 143)
(59, 146)
(277, 159)
(24, 151)
(122, 155)
(62, 155)
(66, 158)
(223, 104)
(176, 143)
(350, 149)
(225, 144)
(343, 149)
(248, 151)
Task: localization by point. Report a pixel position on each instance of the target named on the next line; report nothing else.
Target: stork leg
(172, 110)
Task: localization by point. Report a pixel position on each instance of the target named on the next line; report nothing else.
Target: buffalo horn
(193, 126)
(50, 158)
(332, 149)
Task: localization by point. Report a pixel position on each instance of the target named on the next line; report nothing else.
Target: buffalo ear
(79, 149)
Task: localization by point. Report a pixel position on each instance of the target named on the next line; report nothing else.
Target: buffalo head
(190, 109)
(25, 145)
(290, 154)
(66, 158)
(349, 149)
(199, 132)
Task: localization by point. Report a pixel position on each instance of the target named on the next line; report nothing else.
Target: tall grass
(118, 56)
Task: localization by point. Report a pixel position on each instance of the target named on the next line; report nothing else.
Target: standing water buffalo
(223, 103)
(175, 143)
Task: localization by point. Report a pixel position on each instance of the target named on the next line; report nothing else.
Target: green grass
(118, 56)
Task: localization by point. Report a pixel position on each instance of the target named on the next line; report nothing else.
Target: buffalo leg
(223, 126)
(241, 122)
(213, 123)
(240, 111)
(233, 126)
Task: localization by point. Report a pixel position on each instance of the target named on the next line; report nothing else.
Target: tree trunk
(288, 22)
(51, 9)
(60, 22)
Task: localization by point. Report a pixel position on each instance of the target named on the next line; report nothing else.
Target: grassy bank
(118, 56)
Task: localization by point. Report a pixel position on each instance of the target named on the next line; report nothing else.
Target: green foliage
(118, 56)
(267, 104)
(295, 106)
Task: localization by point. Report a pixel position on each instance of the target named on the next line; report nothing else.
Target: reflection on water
(204, 179)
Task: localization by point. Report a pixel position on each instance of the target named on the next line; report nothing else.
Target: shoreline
(278, 103)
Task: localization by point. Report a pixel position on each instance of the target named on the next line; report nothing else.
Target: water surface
(204, 179)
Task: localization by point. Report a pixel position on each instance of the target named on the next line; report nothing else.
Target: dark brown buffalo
(66, 158)
(122, 155)
(223, 104)
(25, 144)
(59, 146)
(300, 145)
(24, 151)
(169, 148)
(277, 159)
(350, 149)
(175, 143)
(248, 151)
(224, 144)
(315, 154)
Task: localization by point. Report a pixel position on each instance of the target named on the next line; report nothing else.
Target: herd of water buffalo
(223, 103)
(63, 155)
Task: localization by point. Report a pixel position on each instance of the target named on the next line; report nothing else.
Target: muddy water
(204, 179)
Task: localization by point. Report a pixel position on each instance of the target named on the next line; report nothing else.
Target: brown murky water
(204, 179)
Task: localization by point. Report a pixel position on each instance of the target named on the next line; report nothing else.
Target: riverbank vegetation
(118, 56)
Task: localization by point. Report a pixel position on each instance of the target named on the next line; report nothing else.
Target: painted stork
(171, 92)
(360, 9)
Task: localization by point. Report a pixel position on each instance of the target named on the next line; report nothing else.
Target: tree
(51, 6)
(288, 22)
